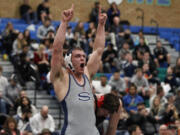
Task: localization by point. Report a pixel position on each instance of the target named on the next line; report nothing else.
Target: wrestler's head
(75, 60)
(107, 104)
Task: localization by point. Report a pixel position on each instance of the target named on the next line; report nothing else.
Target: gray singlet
(78, 106)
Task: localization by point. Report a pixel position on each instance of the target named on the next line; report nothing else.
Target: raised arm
(57, 55)
(98, 47)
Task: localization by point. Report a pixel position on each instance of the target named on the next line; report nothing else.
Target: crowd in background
(150, 105)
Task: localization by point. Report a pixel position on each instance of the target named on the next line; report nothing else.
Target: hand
(67, 15)
(102, 17)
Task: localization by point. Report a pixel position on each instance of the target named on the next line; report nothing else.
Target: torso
(78, 104)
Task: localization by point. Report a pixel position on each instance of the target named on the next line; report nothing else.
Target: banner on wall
(150, 2)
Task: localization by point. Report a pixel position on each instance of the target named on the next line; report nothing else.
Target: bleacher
(170, 34)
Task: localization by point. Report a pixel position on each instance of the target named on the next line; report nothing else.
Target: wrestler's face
(103, 112)
(78, 60)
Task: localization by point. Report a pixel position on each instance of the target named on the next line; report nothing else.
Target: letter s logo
(84, 96)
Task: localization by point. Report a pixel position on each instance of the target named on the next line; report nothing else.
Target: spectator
(177, 100)
(177, 71)
(12, 90)
(69, 33)
(163, 130)
(22, 93)
(112, 12)
(3, 105)
(43, 11)
(3, 80)
(140, 81)
(116, 29)
(90, 33)
(169, 114)
(26, 69)
(26, 103)
(128, 38)
(148, 60)
(123, 51)
(41, 60)
(18, 44)
(117, 82)
(156, 106)
(43, 29)
(23, 123)
(10, 127)
(80, 28)
(27, 37)
(94, 13)
(101, 87)
(109, 59)
(75, 40)
(171, 79)
(27, 13)
(140, 35)
(141, 49)
(42, 120)
(147, 123)
(132, 99)
(162, 57)
(135, 130)
(8, 36)
(129, 66)
(160, 94)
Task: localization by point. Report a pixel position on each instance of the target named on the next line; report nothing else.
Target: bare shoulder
(61, 84)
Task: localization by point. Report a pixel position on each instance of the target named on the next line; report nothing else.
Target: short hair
(71, 49)
(133, 85)
(111, 103)
(159, 90)
(132, 128)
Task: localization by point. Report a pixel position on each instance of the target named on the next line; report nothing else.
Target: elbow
(100, 50)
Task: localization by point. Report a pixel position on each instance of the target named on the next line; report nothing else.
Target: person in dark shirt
(43, 11)
(109, 59)
(129, 66)
(141, 49)
(94, 13)
(112, 12)
(162, 57)
(177, 71)
(171, 79)
(144, 120)
(27, 13)
(116, 27)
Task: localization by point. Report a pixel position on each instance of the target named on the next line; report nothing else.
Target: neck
(77, 76)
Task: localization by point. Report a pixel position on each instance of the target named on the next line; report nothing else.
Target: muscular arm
(98, 47)
(57, 55)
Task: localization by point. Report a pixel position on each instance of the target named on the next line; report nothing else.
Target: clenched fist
(67, 15)
(102, 17)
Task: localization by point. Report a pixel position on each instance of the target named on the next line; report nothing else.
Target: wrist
(64, 22)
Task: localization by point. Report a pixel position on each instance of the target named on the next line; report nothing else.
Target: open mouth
(82, 65)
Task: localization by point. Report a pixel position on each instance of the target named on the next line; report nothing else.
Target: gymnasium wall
(167, 16)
